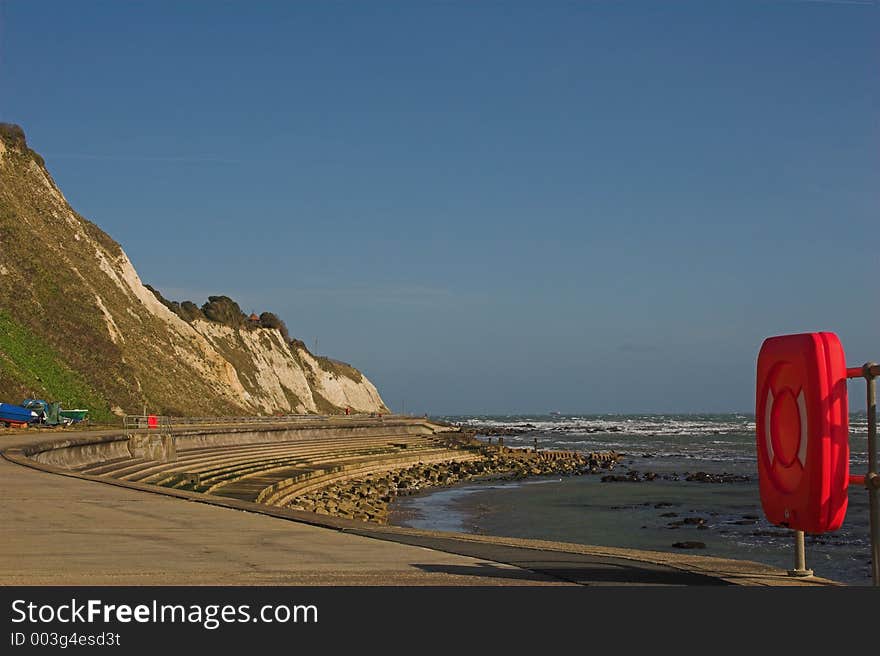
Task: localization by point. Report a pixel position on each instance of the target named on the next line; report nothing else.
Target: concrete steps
(217, 481)
(284, 491)
(136, 469)
(274, 472)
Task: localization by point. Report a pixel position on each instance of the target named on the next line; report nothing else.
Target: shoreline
(369, 498)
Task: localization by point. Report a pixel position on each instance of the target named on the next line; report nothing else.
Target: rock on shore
(368, 498)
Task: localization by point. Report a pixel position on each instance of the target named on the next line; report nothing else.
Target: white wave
(628, 425)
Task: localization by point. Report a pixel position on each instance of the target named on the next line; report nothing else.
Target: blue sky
(486, 206)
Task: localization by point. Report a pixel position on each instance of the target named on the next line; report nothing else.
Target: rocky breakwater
(368, 498)
(635, 476)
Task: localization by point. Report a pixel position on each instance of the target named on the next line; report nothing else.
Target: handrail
(143, 421)
(155, 422)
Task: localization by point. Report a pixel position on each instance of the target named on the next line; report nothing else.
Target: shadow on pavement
(484, 570)
(583, 569)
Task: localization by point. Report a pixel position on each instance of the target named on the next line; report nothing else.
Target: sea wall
(77, 452)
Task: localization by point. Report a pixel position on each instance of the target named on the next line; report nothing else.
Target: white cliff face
(340, 390)
(279, 379)
(253, 367)
(160, 358)
(273, 376)
(188, 343)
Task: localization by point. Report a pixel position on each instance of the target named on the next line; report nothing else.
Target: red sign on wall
(802, 426)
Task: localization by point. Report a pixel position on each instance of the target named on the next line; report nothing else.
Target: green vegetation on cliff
(29, 367)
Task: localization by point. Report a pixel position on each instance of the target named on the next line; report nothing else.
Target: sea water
(647, 514)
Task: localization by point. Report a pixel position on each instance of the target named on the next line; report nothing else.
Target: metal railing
(147, 422)
(870, 371)
(159, 421)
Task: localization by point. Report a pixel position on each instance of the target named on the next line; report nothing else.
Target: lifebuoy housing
(802, 428)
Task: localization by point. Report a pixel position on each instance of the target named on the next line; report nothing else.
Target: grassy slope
(44, 302)
(29, 367)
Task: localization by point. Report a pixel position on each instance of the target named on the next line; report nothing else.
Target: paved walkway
(69, 530)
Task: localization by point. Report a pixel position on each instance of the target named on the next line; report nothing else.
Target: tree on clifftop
(189, 311)
(271, 320)
(223, 309)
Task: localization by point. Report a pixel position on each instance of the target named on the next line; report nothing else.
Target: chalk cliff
(78, 325)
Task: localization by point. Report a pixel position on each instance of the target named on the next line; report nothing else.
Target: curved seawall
(71, 452)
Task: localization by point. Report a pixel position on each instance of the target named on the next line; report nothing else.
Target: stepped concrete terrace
(80, 509)
(273, 466)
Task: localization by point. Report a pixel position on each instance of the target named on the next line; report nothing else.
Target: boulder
(694, 520)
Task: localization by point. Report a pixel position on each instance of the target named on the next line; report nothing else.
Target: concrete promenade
(60, 528)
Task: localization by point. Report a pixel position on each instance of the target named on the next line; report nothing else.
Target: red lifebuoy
(802, 430)
(152, 421)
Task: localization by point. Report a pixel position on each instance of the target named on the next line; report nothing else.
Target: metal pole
(871, 477)
(800, 557)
